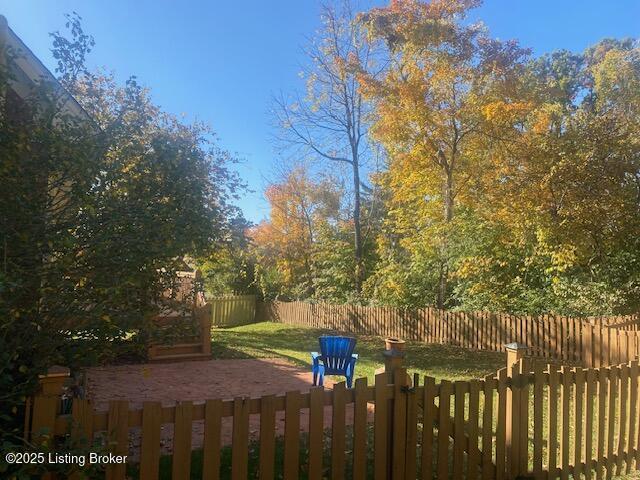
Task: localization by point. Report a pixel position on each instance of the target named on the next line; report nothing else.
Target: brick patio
(199, 381)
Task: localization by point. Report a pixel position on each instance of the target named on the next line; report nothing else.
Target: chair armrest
(316, 357)
(352, 362)
(351, 365)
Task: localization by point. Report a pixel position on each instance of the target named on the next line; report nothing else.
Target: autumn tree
(565, 196)
(300, 208)
(448, 93)
(331, 121)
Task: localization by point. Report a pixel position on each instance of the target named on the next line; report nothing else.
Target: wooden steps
(178, 349)
(191, 348)
(173, 312)
(180, 357)
(178, 352)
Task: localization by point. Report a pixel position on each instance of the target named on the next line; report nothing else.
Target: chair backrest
(336, 352)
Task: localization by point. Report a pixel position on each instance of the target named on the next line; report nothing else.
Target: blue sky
(222, 61)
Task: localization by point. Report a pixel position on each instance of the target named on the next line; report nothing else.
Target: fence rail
(592, 341)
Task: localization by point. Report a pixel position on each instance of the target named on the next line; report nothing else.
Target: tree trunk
(448, 196)
(442, 286)
(448, 216)
(359, 271)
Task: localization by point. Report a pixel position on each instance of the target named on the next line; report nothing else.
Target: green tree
(96, 214)
(230, 268)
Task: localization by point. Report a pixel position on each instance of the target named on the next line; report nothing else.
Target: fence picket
(622, 417)
(501, 433)
(538, 398)
(523, 442)
(118, 430)
(412, 430)
(487, 429)
(211, 446)
(565, 419)
(150, 447)
(360, 430)
(380, 427)
(552, 418)
(240, 446)
(181, 462)
(458, 429)
(588, 422)
(316, 425)
(399, 429)
(428, 417)
(633, 416)
(444, 426)
(611, 401)
(473, 458)
(578, 420)
(338, 432)
(81, 428)
(602, 399)
(291, 435)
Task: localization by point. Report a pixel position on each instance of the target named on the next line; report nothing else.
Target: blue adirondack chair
(336, 357)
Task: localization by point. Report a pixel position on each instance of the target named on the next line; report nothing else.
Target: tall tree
(435, 106)
(331, 121)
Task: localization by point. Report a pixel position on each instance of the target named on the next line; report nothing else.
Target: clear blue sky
(221, 61)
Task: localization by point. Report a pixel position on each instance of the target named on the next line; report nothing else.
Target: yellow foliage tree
(450, 94)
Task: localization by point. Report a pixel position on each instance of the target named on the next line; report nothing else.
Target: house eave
(32, 71)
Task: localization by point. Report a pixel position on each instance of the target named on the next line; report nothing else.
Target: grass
(293, 343)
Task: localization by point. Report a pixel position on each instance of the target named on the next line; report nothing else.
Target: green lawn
(293, 343)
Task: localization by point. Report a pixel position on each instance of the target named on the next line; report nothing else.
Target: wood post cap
(515, 346)
(56, 371)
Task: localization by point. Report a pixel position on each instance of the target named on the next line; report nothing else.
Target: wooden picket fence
(232, 310)
(524, 421)
(591, 341)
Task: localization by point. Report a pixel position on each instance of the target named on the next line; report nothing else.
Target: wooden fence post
(514, 404)
(46, 406)
(205, 320)
(396, 408)
(393, 356)
(46, 403)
